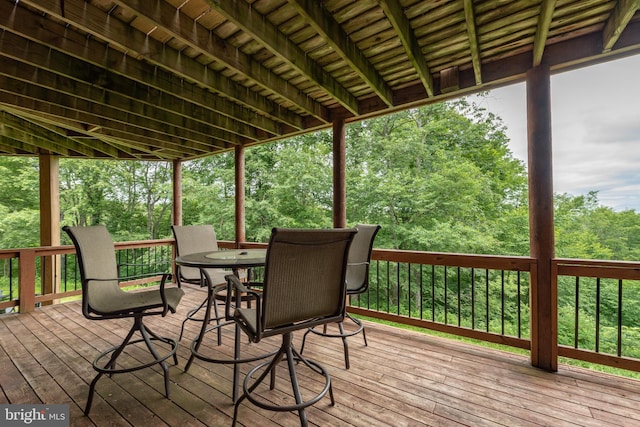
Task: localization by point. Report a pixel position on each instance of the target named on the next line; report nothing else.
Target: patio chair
(103, 299)
(304, 286)
(357, 283)
(192, 239)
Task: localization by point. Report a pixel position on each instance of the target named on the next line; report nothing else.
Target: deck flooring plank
(553, 392)
(142, 392)
(15, 388)
(402, 378)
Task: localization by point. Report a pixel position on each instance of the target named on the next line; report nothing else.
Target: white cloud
(596, 130)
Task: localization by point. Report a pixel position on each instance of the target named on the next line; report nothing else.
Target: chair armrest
(235, 289)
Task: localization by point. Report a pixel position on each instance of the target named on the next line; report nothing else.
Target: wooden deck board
(401, 378)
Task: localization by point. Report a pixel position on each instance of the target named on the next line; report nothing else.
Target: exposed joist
(129, 42)
(83, 113)
(402, 26)
(149, 114)
(542, 31)
(474, 48)
(60, 49)
(19, 48)
(339, 40)
(167, 17)
(27, 131)
(79, 133)
(241, 14)
(617, 22)
(87, 100)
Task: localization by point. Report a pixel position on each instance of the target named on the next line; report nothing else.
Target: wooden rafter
(130, 42)
(402, 26)
(470, 19)
(240, 13)
(339, 40)
(542, 32)
(182, 79)
(207, 43)
(620, 17)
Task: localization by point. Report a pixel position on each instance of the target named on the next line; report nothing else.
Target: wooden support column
(240, 205)
(544, 298)
(49, 219)
(177, 192)
(339, 175)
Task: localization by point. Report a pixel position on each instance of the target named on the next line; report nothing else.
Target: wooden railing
(475, 296)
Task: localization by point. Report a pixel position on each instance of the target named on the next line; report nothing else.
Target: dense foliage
(437, 178)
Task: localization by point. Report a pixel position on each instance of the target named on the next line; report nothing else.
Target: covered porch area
(402, 378)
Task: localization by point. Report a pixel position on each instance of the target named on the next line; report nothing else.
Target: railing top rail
(70, 249)
(494, 262)
(627, 270)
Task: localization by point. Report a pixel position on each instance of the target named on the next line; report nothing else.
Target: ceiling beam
(19, 48)
(191, 129)
(339, 40)
(242, 15)
(88, 116)
(128, 41)
(402, 26)
(542, 31)
(617, 22)
(41, 85)
(22, 130)
(470, 19)
(54, 45)
(206, 43)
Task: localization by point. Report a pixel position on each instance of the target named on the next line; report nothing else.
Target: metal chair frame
(357, 283)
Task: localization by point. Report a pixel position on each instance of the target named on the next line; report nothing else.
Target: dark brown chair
(304, 286)
(102, 299)
(357, 283)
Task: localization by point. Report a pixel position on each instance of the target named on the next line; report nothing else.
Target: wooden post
(240, 205)
(27, 281)
(49, 220)
(544, 298)
(339, 175)
(177, 192)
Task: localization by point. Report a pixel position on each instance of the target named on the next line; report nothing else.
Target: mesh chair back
(304, 275)
(97, 260)
(359, 258)
(191, 239)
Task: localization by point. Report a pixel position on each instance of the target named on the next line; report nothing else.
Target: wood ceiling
(182, 79)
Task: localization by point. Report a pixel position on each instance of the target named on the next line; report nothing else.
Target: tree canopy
(437, 178)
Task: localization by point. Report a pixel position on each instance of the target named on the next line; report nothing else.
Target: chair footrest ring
(111, 370)
(250, 396)
(229, 361)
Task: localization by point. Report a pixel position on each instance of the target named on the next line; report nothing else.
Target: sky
(595, 117)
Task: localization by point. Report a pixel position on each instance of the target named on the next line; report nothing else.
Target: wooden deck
(401, 379)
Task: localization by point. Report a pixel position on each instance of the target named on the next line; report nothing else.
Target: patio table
(235, 260)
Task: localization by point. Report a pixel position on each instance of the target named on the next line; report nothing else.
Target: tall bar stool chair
(193, 239)
(304, 286)
(103, 299)
(357, 283)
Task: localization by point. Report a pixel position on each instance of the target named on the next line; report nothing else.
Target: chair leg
(294, 385)
(344, 345)
(361, 328)
(342, 334)
(293, 357)
(146, 336)
(110, 367)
